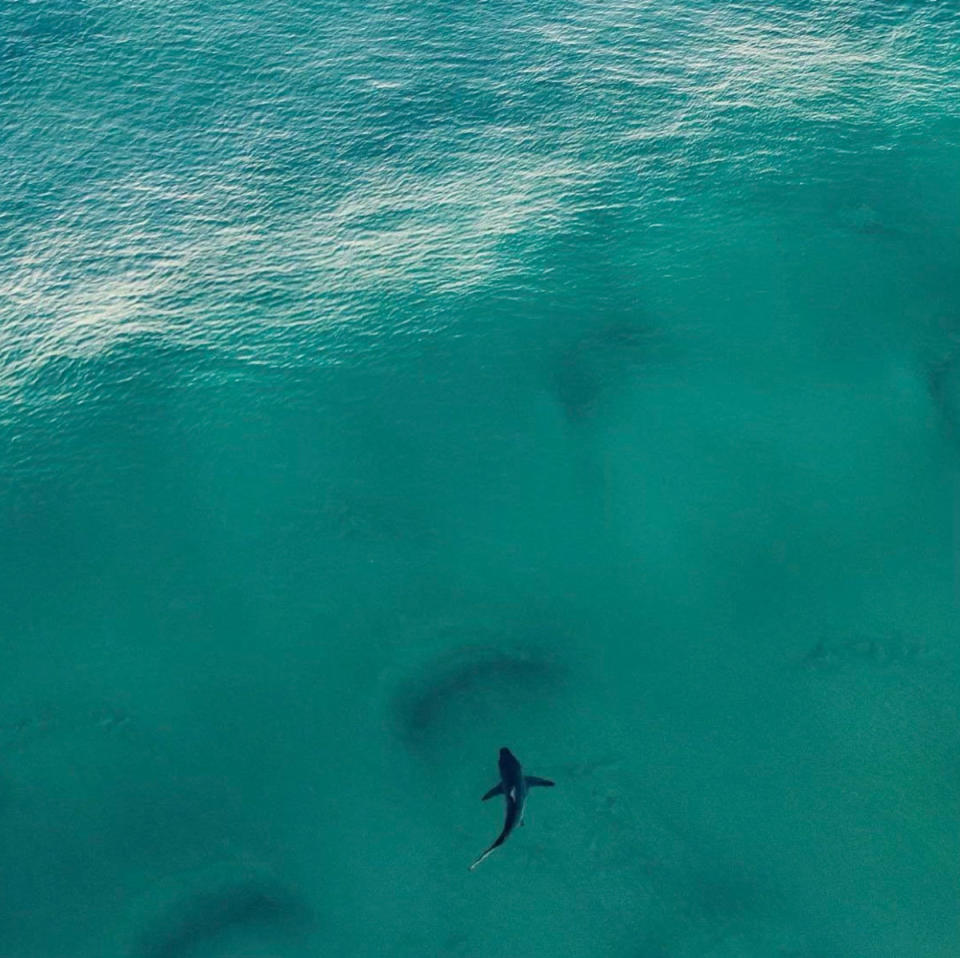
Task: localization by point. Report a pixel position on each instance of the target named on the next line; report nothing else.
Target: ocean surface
(383, 383)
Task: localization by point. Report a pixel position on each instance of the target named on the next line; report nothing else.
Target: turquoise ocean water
(382, 383)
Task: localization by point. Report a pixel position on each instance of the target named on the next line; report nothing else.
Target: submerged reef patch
(472, 683)
(833, 653)
(943, 380)
(587, 371)
(225, 917)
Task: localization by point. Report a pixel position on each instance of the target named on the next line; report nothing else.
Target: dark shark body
(514, 787)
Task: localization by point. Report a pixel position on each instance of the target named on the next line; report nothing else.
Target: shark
(514, 786)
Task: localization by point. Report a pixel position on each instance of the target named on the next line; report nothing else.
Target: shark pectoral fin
(533, 780)
(496, 790)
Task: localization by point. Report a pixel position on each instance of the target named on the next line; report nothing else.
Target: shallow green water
(384, 383)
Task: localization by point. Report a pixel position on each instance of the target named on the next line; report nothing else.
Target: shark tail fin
(490, 850)
(496, 790)
(480, 859)
(534, 780)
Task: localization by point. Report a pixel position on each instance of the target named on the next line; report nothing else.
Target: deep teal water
(383, 383)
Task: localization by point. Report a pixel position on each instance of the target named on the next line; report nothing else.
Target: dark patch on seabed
(943, 377)
(471, 684)
(591, 369)
(226, 919)
(834, 652)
